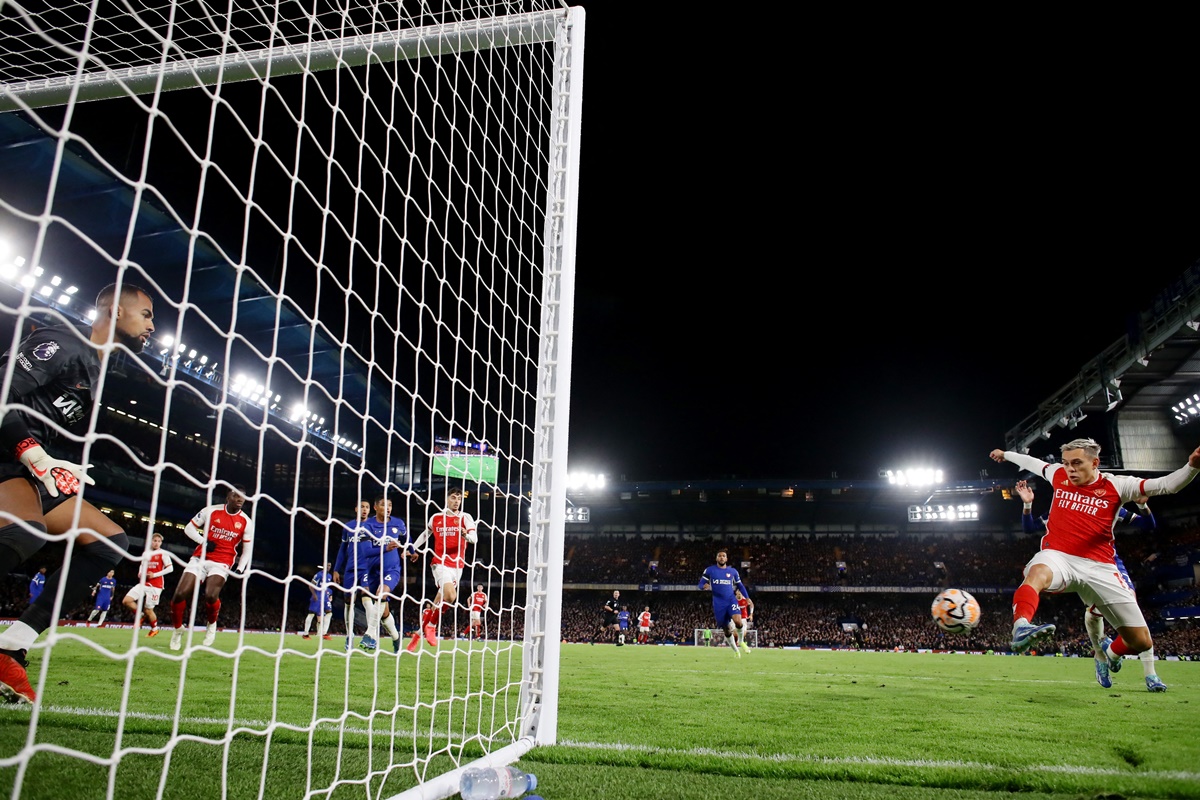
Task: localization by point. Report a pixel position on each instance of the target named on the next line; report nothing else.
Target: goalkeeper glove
(55, 474)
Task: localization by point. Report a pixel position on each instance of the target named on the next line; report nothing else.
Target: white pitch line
(619, 747)
(898, 762)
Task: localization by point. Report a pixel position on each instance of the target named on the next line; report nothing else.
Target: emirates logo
(1101, 492)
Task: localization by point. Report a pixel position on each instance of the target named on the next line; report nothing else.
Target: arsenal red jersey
(1082, 518)
(450, 538)
(156, 563)
(478, 601)
(224, 532)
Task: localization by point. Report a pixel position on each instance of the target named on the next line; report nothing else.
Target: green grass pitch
(635, 723)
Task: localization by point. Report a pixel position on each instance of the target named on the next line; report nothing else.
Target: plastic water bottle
(493, 783)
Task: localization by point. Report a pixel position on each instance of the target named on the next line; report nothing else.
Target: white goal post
(357, 226)
(715, 637)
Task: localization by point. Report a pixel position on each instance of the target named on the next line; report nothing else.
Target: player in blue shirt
(622, 625)
(320, 605)
(725, 583)
(1093, 618)
(384, 572)
(36, 584)
(350, 566)
(103, 592)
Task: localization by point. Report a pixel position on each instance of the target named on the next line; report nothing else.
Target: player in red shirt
(644, 623)
(155, 564)
(478, 606)
(747, 607)
(217, 530)
(1078, 553)
(451, 530)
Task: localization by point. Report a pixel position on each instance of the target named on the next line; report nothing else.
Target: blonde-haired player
(1078, 553)
(146, 594)
(451, 531)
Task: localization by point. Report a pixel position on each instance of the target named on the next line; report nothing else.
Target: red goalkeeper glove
(55, 474)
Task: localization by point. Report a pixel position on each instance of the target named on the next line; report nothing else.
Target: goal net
(355, 223)
(715, 637)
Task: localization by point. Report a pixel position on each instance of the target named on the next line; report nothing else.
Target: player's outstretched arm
(415, 546)
(1194, 459)
(1175, 481)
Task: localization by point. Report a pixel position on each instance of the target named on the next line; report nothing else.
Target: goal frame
(565, 28)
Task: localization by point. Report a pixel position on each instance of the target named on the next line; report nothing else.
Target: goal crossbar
(292, 59)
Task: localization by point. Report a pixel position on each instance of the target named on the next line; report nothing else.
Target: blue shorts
(317, 607)
(723, 611)
(104, 606)
(390, 576)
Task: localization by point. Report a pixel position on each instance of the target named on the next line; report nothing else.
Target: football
(955, 611)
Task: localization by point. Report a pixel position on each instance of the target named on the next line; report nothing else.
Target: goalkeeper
(54, 370)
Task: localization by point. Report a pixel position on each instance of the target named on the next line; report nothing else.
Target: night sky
(792, 264)
(809, 247)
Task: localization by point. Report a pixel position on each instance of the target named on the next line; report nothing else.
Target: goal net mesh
(356, 225)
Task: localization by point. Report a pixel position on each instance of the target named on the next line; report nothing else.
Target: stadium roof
(1155, 365)
(88, 199)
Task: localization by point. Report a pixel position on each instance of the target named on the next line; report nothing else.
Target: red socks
(1025, 602)
(1119, 648)
(179, 611)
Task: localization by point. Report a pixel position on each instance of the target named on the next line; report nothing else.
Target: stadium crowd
(841, 591)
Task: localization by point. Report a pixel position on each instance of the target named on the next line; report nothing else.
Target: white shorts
(1097, 584)
(203, 568)
(443, 575)
(150, 593)
(476, 616)
(643, 630)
